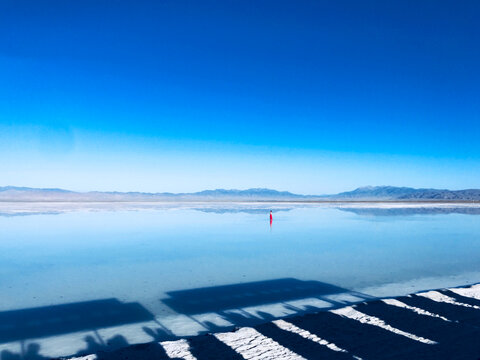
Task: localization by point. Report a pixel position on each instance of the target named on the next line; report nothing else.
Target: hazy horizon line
(366, 187)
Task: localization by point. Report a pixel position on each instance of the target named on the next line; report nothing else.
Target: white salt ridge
(351, 313)
(250, 344)
(403, 288)
(179, 349)
(439, 297)
(395, 302)
(287, 326)
(471, 292)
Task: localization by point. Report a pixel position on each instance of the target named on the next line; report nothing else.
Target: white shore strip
(395, 302)
(287, 326)
(179, 349)
(439, 297)
(351, 313)
(250, 344)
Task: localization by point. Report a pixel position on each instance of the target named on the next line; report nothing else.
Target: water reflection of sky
(141, 255)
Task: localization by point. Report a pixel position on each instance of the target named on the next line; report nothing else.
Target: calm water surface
(139, 256)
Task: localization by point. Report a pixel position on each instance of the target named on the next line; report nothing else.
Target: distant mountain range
(12, 193)
(405, 193)
(368, 193)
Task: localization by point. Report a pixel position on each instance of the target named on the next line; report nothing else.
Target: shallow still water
(140, 256)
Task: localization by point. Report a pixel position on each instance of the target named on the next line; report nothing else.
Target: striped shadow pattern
(442, 324)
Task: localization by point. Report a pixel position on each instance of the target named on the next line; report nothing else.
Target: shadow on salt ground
(123, 351)
(218, 298)
(226, 302)
(229, 301)
(21, 325)
(116, 348)
(17, 325)
(32, 352)
(206, 347)
(159, 334)
(456, 339)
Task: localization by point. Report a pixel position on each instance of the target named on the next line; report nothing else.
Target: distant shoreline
(12, 208)
(246, 201)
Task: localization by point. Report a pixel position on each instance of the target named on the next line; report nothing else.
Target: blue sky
(306, 96)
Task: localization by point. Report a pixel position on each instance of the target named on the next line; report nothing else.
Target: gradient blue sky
(175, 95)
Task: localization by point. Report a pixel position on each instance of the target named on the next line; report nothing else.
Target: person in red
(271, 217)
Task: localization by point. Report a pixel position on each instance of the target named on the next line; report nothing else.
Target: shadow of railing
(244, 304)
(68, 318)
(228, 302)
(219, 298)
(450, 338)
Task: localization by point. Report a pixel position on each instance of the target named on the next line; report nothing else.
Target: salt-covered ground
(440, 324)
